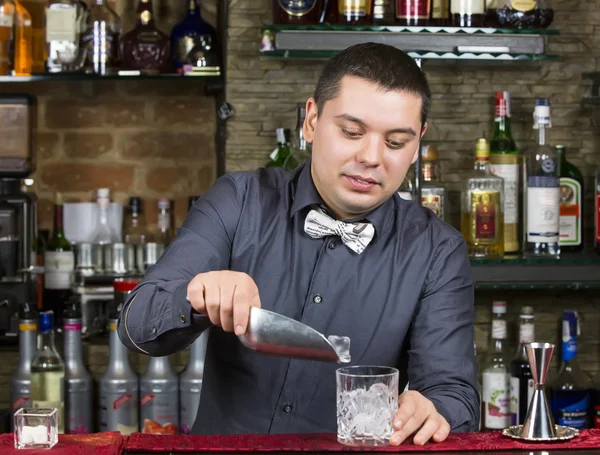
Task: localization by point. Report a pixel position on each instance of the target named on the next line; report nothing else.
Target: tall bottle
(542, 193)
(119, 388)
(282, 155)
(504, 162)
(190, 384)
(100, 40)
(78, 381)
(569, 391)
(164, 234)
(434, 194)
(39, 47)
(301, 149)
(191, 34)
(59, 263)
(482, 207)
(48, 372)
(23, 36)
(496, 377)
(571, 204)
(20, 381)
(7, 20)
(134, 232)
(467, 13)
(104, 233)
(521, 382)
(159, 398)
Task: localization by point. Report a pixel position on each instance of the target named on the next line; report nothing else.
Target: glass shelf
(564, 260)
(412, 29)
(67, 77)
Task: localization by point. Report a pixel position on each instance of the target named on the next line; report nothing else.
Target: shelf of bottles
(66, 40)
(427, 29)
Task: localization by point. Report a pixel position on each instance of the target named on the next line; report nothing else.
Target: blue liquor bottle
(193, 40)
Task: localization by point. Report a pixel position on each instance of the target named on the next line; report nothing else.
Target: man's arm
(442, 363)
(157, 319)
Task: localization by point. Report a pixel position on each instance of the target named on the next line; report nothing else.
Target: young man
(394, 278)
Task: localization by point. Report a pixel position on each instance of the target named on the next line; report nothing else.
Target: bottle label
(297, 7)
(575, 415)
(433, 202)
(499, 329)
(58, 266)
(485, 207)
(523, 5)
(467, 7)
(355, 8)
(27, 327)
(99, 47)
(163, 221)
(119, 412)
(526, 333)
(570, 212)
(414, 9)
(72, 327)
(439, 9)
(6, 20)
(510, 174)
(112, 326)
(496, 399)
(542, 214)
(159, 413)
(61, 23)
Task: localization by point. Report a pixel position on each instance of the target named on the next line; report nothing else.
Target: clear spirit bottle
(434, 195)
(482, 207)
(301, 150)
(100, 41)
(542, 192)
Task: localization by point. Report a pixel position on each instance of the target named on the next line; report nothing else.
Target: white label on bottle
(499, 329)
(467, 6)
(496, 399)
(163, 221)
(570, 212)
(61, 23)
(510, 174)
(526, 333)
(6, 20)
(542, 214)
(514, 400)
(58, 266)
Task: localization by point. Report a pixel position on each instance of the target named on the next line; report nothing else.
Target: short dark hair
(385, 65)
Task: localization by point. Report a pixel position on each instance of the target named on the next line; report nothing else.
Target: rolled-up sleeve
(441, 362)
(157, 319)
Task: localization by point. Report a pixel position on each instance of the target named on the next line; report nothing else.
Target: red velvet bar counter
(587, 443)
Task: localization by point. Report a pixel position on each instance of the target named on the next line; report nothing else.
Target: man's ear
(310, 121)
(418, 150)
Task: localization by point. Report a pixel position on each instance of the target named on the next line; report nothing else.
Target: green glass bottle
(282, 156)
(571, 204)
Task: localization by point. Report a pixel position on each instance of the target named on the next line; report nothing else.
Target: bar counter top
(113, 443)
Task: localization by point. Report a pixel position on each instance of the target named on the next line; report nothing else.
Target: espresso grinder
(18, 212)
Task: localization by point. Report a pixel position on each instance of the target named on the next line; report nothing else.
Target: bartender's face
(363, 142)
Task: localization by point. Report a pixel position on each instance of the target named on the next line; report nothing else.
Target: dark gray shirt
(406, 301)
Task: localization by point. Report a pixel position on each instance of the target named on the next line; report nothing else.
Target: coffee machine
(18, 211)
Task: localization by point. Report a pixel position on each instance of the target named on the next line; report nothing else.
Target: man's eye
(396, 145)
(351, 134)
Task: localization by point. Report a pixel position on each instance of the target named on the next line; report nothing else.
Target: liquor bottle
(413, 12)
(521, 382)
(23, 35)
(407, 187)
(597, 211)
(383, 12)
(119, 388)
(294, 12)
(64, 23)
(504, 162)
(282, 155)
(159, 398)
(20, 381)
(39, 47)
(145, 48)
(496, 377)
(100, 41)
(190, 34)
(164, 234)
(134, 232)
(467, 13)
(104, 232)
(78, 381)
(301, 149)
(355, 12)
(59, 263)
(7, 20)
(571, 204)
(434, 194)
(190, 384)
(542, 193)
(569, 391)
(519, 14)
(482, 207)
(440, 13)
(48, 372)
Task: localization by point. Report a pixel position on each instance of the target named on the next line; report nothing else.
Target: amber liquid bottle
(355, 12)
(297, 12)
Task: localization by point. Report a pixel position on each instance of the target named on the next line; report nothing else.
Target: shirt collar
(306, 194)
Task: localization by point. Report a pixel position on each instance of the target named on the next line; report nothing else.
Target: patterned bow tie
(355, 236)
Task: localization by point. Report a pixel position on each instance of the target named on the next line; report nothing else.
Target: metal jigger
(539, 422)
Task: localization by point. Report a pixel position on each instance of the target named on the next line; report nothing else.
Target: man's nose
(371, 152)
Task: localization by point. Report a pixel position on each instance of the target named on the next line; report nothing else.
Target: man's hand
(225, 297)
(415, 412)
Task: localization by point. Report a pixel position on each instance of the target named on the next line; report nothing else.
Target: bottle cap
(541, 113)
(103, 192)
(482, 148)
(499, 307)
(502, 104)
(527, 312)
(280, 135)
(164, 203)
(46, 321)
(429, 152)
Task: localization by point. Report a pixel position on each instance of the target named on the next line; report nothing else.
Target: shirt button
(154, 330)
(182, 318)
(317, 299)
(331, 245)
(287, 408)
